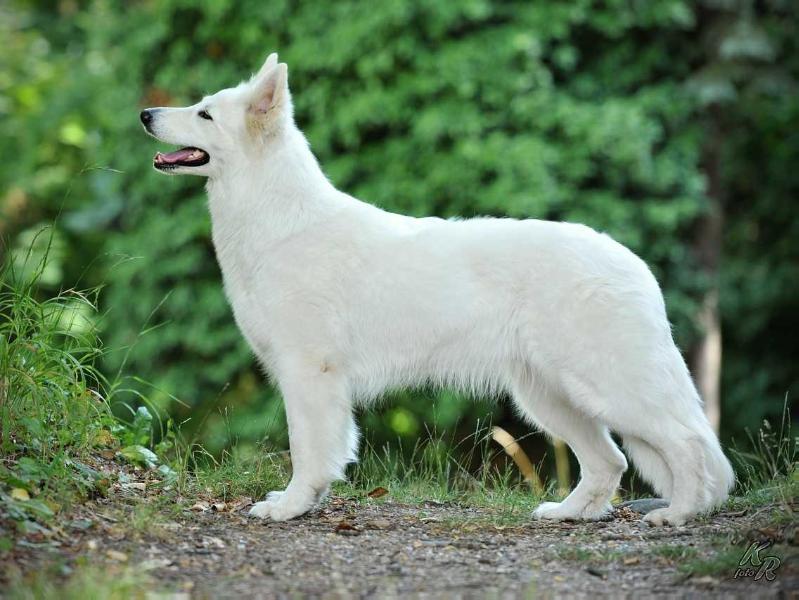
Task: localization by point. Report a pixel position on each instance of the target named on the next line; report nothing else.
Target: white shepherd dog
(341, 300)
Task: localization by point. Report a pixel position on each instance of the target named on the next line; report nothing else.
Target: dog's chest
(274, 290)
(246, 277)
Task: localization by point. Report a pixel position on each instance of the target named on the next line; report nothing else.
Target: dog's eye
(204, 114)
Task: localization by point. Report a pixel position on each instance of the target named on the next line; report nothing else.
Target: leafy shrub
(55, 406)
(576, 111)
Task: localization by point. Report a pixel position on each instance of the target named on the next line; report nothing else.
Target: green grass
(675, 552)
(432, 470)
(435, 469)
(55, 406)
(724, 558)
(767, 472)
(51, 413)
(84, 582)
(441, 470)
(772, 455)
(234, 476)
(721, 563)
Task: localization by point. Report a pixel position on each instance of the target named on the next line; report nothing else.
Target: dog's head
(225, 130)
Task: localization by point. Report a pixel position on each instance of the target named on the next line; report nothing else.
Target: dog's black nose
(146, 117)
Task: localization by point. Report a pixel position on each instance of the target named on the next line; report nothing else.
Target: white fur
(341, 301)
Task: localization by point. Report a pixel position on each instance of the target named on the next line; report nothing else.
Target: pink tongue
(173, 157)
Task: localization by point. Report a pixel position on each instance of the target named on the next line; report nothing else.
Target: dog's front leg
(322, 435)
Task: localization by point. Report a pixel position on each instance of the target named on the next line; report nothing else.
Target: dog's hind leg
(601, 462)
(650, 465)
(322, 435)
(681, 454)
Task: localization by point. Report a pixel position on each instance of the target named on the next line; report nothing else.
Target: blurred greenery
(596, 112)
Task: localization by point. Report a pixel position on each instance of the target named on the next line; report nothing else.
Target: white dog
(341, 301)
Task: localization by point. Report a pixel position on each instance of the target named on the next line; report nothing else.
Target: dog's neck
(273, 195)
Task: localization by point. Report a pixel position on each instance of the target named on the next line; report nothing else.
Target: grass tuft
(772, 455)
(767, 471)
(435, 468)
(84, 582)
(51, 412)
(235, 476)
(55, 406)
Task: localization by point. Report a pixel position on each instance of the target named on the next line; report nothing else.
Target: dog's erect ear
(269, 64)
(270, 90)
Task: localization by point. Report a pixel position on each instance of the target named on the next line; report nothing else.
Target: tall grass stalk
(50, 399)
(768, 467)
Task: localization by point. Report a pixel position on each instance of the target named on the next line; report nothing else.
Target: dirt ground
(385, 549)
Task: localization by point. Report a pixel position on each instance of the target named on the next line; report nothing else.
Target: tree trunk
(707, 352)
(707, 358)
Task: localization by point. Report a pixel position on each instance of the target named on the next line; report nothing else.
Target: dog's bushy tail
(721, 476)
(686, 410)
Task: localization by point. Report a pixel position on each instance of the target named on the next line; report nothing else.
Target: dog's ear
(269, 64)
(270, 90)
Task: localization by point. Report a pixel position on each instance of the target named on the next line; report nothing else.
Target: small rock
(379, 524)
(595, 572)
(20, 494)
(154, 563)
(644, 505)
(135, 486)
(117, 555)
(81, 524)
(213, 541)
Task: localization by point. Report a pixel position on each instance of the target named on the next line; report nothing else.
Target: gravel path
(384, 549)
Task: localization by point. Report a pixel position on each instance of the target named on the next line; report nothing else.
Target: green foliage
(674, 552)
(87, 582)
(773, 455)
(236, 475)
(582, 111)
(436, 468)
(723, 560)
(768, 472)
(50, 412)
(439, 467)
(55, 406)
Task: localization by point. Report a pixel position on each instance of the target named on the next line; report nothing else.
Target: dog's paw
(561, 511)
(547, 510)
(665, 516)
(279, 506)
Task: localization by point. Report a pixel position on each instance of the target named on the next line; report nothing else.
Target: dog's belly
(461, 362)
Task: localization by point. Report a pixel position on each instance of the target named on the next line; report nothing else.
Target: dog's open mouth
(185, 157)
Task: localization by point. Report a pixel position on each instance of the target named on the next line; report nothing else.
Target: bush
(576, 111)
